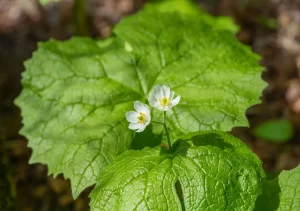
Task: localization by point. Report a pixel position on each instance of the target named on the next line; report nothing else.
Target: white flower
(161, 98)
(140, 118)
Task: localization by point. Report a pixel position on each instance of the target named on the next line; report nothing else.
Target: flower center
(141, 118)
(165, 101)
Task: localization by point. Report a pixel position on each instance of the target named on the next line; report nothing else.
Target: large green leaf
(190, 7)
(76, 93)
(282, 193)
(207, 171)
(73, 113)
(217, 77)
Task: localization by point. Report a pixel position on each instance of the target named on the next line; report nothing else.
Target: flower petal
(172, 95)
(157, 95)
(142, 128)
(158, 91)
(152, 100)
(175, 101)
(158, 106)
(148, 118)
(132, 116)
(166, 108)
(154, 95)
(145, 110)
(134, 126)
(138, 106)
(166, 91)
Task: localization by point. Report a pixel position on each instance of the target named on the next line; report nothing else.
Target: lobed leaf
(282, 193)
(190, 7)
(208, 171)
(73, 113)
(76, 93)
(217, 77)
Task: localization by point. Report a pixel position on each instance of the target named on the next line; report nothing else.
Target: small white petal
(145, 109)
(160, 94)
(175, 101)
(142, 128)
(134, 126)
(154, 95)
(172, 95)
(161, 98)
(166, 108)
(137, 120)
(152, 101)
(148, 118)
(156, 88)
(166, 91)
(132, 116)
(158, 91)
(158, 106)
(138, 106)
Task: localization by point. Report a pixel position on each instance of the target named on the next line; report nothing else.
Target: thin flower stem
(167, 132)
(166, 129)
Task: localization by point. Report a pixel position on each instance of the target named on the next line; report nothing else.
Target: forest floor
(270, 27)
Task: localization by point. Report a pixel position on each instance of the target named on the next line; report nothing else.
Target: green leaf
(73, 113)
(282, 193)
(79, 18)
(271, 23)
(76, 93)
(186, 7)
(217, 77)
(275, 130)
(190, 7)
(44, 2)
(207, 171)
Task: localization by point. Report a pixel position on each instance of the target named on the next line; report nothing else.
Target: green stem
(79, 18)
(167, 132)
(166, 129)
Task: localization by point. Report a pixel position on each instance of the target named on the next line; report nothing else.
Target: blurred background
(270, 27)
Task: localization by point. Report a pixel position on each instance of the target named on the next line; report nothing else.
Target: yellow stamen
(165, 101)
(141, 118)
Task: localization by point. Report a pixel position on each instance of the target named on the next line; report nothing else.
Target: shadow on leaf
(146, 139)
(210, 139)
(270, 199)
